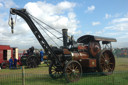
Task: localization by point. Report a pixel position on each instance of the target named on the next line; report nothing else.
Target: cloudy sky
(107, 18)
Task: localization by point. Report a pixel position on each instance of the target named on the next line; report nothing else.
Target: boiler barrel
(84, 59)
(79, 56)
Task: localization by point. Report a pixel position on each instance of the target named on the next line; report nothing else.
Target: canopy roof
(87, 38)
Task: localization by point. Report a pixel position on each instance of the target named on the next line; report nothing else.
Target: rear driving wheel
(106, 62)
(72, 71)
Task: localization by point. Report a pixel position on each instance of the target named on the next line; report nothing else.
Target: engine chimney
(65, 37)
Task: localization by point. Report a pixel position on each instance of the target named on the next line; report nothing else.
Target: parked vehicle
(30, 59)
(6, 52)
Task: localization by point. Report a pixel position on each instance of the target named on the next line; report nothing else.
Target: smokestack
(65, 37)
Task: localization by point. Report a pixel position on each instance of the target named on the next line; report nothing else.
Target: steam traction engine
(74, 57)
(30, 58)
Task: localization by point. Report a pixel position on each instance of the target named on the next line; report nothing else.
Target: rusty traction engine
(74, 57)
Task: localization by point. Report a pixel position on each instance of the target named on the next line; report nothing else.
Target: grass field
(121, 64)
(39, 76)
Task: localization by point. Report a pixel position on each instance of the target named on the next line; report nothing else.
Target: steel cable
(44, 23)
(44, 30)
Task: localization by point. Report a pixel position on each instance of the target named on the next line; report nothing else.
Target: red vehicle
(6, 52)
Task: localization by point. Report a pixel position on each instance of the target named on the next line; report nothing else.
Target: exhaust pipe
(65, 37)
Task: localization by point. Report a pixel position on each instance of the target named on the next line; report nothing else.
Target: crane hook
(12, 25)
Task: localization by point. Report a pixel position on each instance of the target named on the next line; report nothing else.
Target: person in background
(41, 55)
(15, 63)
(10, 63)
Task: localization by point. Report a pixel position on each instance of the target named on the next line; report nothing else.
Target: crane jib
(23, 13)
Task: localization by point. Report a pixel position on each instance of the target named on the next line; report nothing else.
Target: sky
(106, 18)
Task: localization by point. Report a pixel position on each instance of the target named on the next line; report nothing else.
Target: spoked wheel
(4, 65)
(73, 71)
(55, 71)
(31, 62)
(106, 62)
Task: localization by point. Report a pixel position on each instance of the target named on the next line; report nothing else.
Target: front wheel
(72, 71)
(55, 71)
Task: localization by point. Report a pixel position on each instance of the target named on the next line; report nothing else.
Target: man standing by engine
(41, 55)
(10, 63)
(15, 63)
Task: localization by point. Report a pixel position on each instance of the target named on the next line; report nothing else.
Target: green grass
(121, 64)
(39, 76)
(120, 78)
(42, 69)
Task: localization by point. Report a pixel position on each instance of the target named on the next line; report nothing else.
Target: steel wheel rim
(107, 63)
(55, 72)
(73, 72)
